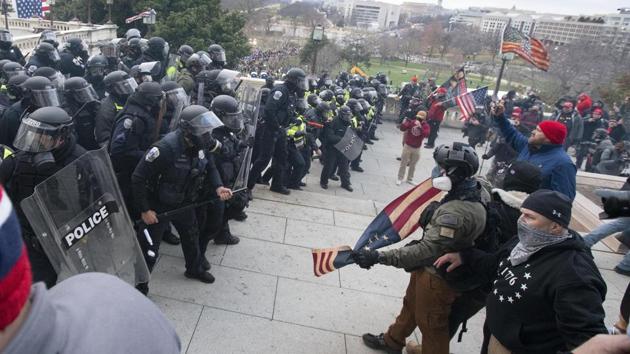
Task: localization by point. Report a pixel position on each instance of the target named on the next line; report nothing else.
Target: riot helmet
(323, 109)
(228, 110)
(313, 100)
(6, 39)
(197, 124)
(76, 47)
(96, 65)
(12, 69)
(196, 63)
(365, 105)
(119, 83)
(149, 94)
(184, 52)
(49, 36)
(253, 75)
(14, 87)
(345, 114)
(354, 105)
(110, 51)
(264, 94)
(132, 33)
(40, 92)
(459, 161)
(264, 75)
(46, 129)
(296, 79)
(47, 51)
(228, 80)
(326, 95)
(77, 89)
(134, 48)
(158, 48)
(312, 84)
(176, 99)
(217, 54)
(55, 77)
(356, 93)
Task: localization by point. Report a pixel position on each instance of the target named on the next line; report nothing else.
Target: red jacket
(415, 132)
(436, 112)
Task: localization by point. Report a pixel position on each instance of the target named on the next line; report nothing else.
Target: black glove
(365, 258)
(485, 156)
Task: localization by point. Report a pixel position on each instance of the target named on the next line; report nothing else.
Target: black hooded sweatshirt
(548, 304)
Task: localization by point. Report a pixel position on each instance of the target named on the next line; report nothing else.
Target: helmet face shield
(36, 136)
(46, 98)
(302, 84)
(234, 121)
(13, 73)
(124, 87)
(203, 124)
(220, 57)
(85, 95)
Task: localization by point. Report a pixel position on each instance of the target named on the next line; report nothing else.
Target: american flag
(530, 49)
(31, 8)
(468, 101)
(139, 16)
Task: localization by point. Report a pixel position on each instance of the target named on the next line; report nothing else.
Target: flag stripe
(412, 224)
(413, 194)
(409, 211)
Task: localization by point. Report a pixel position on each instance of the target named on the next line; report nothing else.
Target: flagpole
(498, 85)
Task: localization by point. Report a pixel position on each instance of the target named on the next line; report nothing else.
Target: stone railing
(93, 35)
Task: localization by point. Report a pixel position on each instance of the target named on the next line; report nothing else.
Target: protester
(544, 149)
(86, 313)
(415, 131)
(547, 294)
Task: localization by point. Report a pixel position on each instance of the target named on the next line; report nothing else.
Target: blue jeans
(607, 229)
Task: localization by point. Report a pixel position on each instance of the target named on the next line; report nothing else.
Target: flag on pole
(530, 49)
(394, 223)
(138, 16)
(30, 8)
(468, 101)
(45, 7)
(455, 86)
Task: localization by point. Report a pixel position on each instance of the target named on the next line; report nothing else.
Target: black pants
(582, 152)
(355, 163)
(272, 145)
(334, 158)
(41, 268)
(296, 165)
(435, 127)
(193, 243)
(307, 154)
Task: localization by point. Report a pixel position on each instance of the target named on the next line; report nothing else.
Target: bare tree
(410, 44)
(432, 37)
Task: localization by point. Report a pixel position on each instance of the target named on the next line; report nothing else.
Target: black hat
(522, 176)
(553, 205)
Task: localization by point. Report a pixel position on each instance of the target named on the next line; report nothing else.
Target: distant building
(496, 21)
(418, 9)
(367, 14)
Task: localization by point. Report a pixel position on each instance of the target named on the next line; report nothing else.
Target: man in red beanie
(543, 149)
(86, 313)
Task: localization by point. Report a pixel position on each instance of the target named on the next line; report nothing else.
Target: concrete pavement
(266, 298)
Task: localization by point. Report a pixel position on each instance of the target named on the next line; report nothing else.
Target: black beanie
(553, 205)
(522, 176)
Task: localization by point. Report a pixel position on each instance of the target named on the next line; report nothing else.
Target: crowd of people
(176, 135)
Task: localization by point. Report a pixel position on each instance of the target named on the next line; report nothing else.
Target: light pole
(318, 36)
(109, 9)
(149, 20)
(89, 12)
(51, 3)
(5, 11)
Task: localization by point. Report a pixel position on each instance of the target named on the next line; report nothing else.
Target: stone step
(314, 199)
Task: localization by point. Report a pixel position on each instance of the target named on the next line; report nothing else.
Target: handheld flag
(455, 86)
(468, 101)
(530, 49)
(393, 224)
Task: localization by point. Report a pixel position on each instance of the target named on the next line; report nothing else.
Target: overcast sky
(571, 7)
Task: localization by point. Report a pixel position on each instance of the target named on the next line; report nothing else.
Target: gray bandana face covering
(532, 241)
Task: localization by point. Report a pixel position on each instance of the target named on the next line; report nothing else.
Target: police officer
(119, 86)
(49, 36)
(279, 113)
(8, 50)
(82, 104)
(134, 131)
(183, 53)
(95, 73)
(171, 175)
(46, 144)
(14, 91)
(38, 92)
(132, 33)
(133, 52)
(45, 54)
(229, 159)
(269, 82)
(157, 50)
(194, 65)
(217, 55)
(450, 225)
(176, 101)
(73, 58)
(333, 133)
(11, 69)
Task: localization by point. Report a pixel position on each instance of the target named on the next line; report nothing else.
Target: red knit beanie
(15, 269)
(554, 131)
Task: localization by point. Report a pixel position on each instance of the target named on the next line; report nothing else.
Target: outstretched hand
(453, 259)
(365, 258)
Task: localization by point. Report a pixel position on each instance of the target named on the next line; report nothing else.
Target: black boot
(357, 168)
(170, 238)
(226, 238)
(205, 264)
(204, 277)
(240, 216)
(378, 342)
(334, 178)
(347, 187)
(281, 190)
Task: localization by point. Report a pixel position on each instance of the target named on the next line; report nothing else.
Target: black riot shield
(350, 145)
(81, 221)
(248, 95)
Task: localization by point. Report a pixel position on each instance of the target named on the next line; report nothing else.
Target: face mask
(44, 162)
(531, 241)
(442, 183)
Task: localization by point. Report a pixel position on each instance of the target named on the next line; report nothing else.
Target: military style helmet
(228, 110)
(132, 33)
(459, 160)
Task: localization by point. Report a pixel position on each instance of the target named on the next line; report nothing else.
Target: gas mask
(44, 162)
